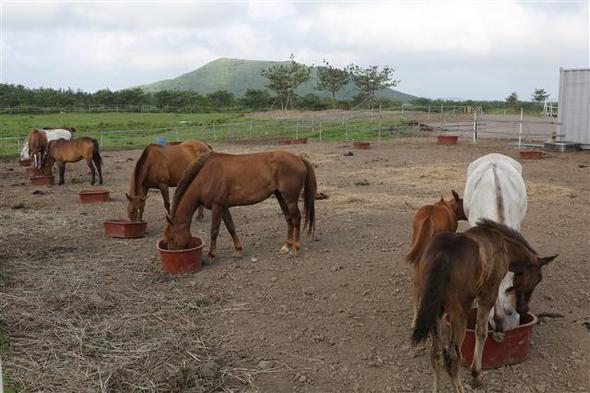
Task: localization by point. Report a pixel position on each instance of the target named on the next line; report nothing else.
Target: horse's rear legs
(229, 224)
(289, 243)
(62, 172)
(165, 196)
(436, 357)
(452, 354)
(215, 221)
(92, 170)
(481, 333)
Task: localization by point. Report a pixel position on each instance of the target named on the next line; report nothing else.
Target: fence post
(297, 130)
(101, 140)
(520, 128)
(320, 130)
(250, 128)
(176, 133)
(441, 117)
(214, 133)
(428, 112)
(474, 126)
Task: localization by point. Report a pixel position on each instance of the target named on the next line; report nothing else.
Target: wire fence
(330, 125)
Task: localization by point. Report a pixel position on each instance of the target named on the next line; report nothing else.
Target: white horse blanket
(495, 189)
(53, 134)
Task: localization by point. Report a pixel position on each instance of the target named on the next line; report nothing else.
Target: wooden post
(428, 112)
(474, 126)
(441, 117)
(214, 133)
(176, 133)
(297, 130)
(101, 140)
(320, 130)
(250, 128)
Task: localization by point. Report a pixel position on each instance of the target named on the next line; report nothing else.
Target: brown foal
(64, 151)
(460, 267)
(430, 220)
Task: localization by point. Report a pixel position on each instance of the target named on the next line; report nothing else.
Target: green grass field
(135, 130)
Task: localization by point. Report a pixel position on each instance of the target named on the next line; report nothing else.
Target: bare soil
(87, 313)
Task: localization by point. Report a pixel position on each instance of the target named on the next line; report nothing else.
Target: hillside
(237, 76)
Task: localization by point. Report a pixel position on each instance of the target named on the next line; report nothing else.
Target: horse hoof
(285, 249)
(237, 254)
(498, 336)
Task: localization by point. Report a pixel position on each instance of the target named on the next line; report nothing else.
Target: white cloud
(438, 49)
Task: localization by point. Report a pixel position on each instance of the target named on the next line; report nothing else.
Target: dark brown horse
(430, 220)
(460, 267)
(161, 167)
(64, 151)
(38, 144)
(219, 181)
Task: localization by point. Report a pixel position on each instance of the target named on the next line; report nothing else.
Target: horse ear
(128, 197)
(455, 195)
(545, 260)
(145, 197)
(509, 289)
(169, 219)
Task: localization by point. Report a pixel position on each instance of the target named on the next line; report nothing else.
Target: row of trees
(284, 79)
(539, 96)
(18, 96)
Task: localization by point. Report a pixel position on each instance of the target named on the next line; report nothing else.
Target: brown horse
(37, 147)
(429, 221)
(64, 151)
(219, 181)
(460, 267)
(161, 167)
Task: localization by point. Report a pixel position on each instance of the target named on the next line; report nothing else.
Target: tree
(285, 78)
(540, 95)
(371, 79)
(331, 79)
(256, 99)
(221, 98)
(512, 99)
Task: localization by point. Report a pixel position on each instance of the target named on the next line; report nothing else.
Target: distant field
(130, 130)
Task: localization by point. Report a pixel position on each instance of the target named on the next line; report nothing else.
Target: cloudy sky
(460, 49)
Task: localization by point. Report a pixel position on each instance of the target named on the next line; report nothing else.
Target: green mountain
(236, 76)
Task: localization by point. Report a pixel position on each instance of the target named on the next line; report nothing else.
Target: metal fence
(330, 125)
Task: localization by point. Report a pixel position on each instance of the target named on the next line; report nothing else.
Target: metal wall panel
(574, 106)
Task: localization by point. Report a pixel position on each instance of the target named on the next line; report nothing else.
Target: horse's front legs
(165, 196)
(229, 224)
(215, 221)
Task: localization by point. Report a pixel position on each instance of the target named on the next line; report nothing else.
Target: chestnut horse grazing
(64, 151)
(161, 167)
(429, 221)
(219, 181)
(460, 267)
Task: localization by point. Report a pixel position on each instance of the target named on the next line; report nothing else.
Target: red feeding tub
(34, 171)
(125, 229)
(187, 260)
(26, 162)
(361, 145)
(447, 139)
(43, 180)
(531, 154)
(93, 196)
(514, 349)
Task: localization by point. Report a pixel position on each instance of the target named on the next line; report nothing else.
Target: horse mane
(187, 179)
(506, 231)
(139, 166)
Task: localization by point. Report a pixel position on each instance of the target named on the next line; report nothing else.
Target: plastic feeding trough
(94, 196)
(187, 260)
(361, 145)
(513, 349)
(26, 162)
(298, 141)
(530, 154)
(43, 180)
(34, 171)
(445, 139)
(125, 229)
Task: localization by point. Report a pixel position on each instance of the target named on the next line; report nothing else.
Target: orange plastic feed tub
(188, 260)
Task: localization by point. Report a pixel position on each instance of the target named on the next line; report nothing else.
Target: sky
(455, 49)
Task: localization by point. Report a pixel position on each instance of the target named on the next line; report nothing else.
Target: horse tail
(422, 236)
(96, 153)
(431, 298)
(309, 193)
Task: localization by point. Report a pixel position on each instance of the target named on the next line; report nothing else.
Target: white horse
(52, 134)
(495, 189)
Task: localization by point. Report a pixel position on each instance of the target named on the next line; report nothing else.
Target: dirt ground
(86, 313)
